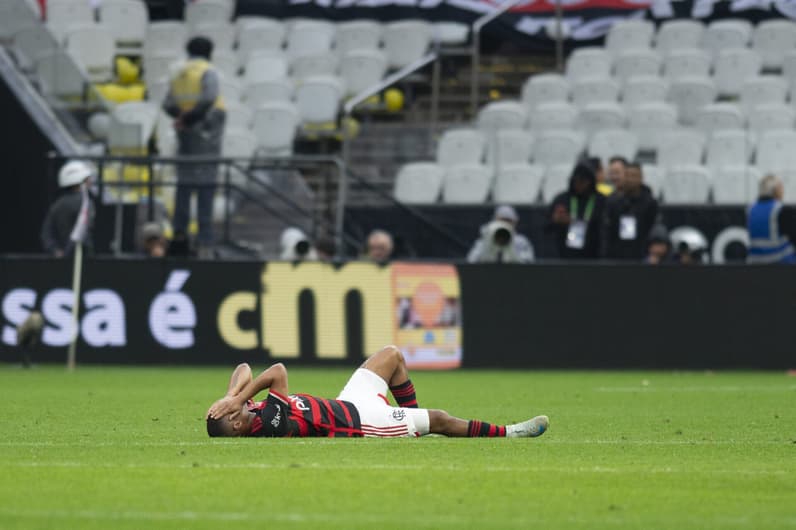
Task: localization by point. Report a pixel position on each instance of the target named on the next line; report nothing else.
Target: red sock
(477, 428)
(404, 394)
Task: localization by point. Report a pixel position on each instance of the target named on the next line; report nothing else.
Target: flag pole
(77, 269)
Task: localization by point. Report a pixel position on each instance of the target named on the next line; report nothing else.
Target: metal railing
(252, 191)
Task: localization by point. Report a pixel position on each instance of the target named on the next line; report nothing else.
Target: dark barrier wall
(24, 198)
(594, 316)
(537, 316)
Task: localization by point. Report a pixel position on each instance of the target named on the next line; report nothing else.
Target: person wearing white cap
(60, 220)
(500, 242)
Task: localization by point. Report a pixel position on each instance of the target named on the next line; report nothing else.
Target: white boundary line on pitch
(394, 467)
(656, 388)
(349, 441)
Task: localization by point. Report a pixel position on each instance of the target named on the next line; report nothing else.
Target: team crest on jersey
(398, 414)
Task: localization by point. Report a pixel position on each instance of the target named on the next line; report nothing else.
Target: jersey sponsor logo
(399, 414)
(299, 403)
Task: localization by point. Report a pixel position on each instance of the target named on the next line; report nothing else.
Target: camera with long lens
(296, 245)
(500, 234)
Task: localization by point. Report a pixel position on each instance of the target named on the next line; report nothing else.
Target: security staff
(768, 224)
(195, 103)
(60, 221)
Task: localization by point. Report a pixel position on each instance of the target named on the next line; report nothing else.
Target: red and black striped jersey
(304, 415)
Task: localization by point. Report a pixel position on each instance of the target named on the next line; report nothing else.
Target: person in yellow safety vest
(194, 101)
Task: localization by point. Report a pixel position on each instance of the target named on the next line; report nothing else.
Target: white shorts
(368, 393)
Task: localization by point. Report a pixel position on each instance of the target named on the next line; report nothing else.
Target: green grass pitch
(127, 448)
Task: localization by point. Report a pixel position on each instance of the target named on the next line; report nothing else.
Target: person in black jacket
(630, 214)
(575, 216)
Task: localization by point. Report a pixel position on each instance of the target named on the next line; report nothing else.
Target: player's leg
(440, 422)
(388, 363)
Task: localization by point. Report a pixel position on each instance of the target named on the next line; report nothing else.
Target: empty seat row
(771, 39)
(427, 182)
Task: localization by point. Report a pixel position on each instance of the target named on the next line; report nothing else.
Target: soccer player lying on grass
(361, 409)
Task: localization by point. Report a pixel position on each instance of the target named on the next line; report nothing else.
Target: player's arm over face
(274, 378)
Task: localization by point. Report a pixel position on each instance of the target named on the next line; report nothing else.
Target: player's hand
(224, 406)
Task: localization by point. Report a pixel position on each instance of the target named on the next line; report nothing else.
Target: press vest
(187, 85)
(766, 244)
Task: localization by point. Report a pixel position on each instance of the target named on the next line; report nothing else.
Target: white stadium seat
(680, 147)
(502, 115)
(649, 121)
(629, 35)
(644, 89)
(419, 183)
(678, 34)
(156, 91)
(789, 68)
(556, 180)
(239, 116)
(636, 62)
(728, 147)
(17, 15)
(687, 62)
(653, 176)
(718, 116)
(230, 88)
(466, 184)
(460, 146)
(221, 34)
(310, 36)
(687, 184)
(361, 69)
(238, 143)
(265, 65)
(517, 184)
(357, 35)
(601, 116)
(160, 67)
(58, 75)
(127, 21)
(259, 34)
(735, 184)
(544, 88)
(772, 39)
(207, 12)
(406, 41)
(613, 142)
(64, 15)
(274, 125)
(256, 94)
(690, 94)
(727, 34)
(32, 41)
(93, 49)
(763, 89)
(140, 113)
(552, 116)
(775, 151)
(509, 146)
(594, 90)
(450, 33)
(318, 99)
(165, 37)
(588, 62)
(313, 64)
(558, 147)
(226, 62)
(733, 67)
(771, 116)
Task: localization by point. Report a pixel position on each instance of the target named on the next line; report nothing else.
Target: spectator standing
(616, 172)
(194, 101)
(659, 246)
(771, 227)
(575, 216)
(603, 186)
(630, 214)
(61, 218)
(153, 240)
(500, 242)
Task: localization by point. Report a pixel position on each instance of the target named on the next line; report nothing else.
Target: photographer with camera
(576, 214)
(500, 242)
(296, 246)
